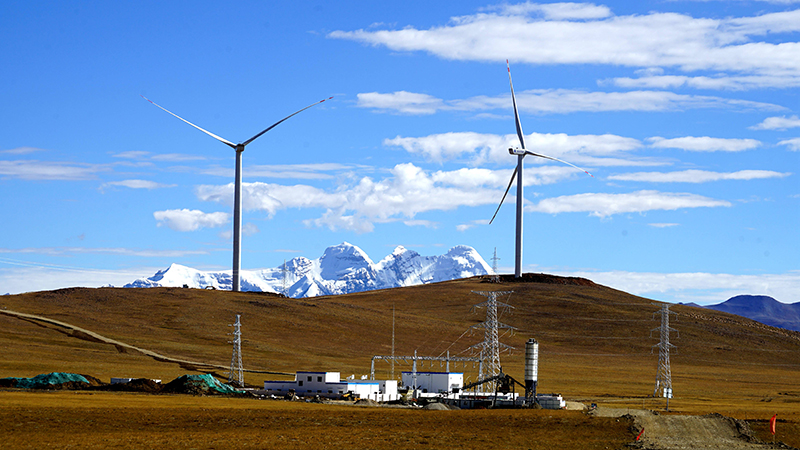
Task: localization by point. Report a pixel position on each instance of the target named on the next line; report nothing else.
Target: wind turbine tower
(237, 190)
(521, 152)
(491, 347)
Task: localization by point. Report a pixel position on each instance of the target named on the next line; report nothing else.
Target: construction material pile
(54, 380)
(198, 385)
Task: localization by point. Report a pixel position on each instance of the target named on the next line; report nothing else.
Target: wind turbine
(237, 192)
(521, 152)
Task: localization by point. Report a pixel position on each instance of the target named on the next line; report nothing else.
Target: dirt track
(82, 333)
(667, 432)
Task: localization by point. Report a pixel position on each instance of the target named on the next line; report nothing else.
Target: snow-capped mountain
(341, 269)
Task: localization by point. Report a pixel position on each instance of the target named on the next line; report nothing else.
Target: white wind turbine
(521, 152)
(237, 193)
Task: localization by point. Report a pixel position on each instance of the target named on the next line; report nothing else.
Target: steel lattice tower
(495, 275)
(236, 375)
(664, 374)
(491, 347)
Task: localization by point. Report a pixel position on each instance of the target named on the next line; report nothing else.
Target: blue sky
(687, 114)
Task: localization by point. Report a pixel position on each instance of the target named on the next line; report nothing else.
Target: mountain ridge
(342, 269)
(764, 309)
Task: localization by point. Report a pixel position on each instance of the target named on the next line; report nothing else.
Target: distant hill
(763, 309)
(342, 269)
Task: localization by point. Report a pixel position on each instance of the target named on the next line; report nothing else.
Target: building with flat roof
(330, 385)
(433, 382)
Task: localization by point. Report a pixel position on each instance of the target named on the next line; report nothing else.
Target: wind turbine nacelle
(516, 151)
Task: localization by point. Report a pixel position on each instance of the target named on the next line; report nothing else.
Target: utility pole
(284, 278)
(392, 343)
(495, 276)
(490, 347)
(663, 387)
(236, 375)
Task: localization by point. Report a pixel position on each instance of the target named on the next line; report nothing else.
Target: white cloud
(137, 184)
(421, 223)
(478, 149)
(555, 101)
(402, 102)
(21, 151)
(557, 11)
(702, 288)
(408, 191)
(18, 280)
(466, 226)
(190, 220)
(643, 40)
(778, 123)
(704, 144)
(604, 205)
(46, 170)
(793, 144)
(69, 251)
(663, 225)
(717, 82)
(697, 176)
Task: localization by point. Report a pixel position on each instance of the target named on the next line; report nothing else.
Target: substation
(493, 388)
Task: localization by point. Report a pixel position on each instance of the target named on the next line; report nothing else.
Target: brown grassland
(595, 347)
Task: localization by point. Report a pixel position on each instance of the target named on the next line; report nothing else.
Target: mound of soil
(204, 384)
(543, 278)
(366, 402)
(52, 381)
(138, 385)
(436, 407)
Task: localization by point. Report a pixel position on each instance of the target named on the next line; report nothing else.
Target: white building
(330, 385)
(433, 382)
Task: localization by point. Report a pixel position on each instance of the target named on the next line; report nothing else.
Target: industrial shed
(330, 385)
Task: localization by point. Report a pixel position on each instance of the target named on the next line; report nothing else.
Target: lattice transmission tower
(663, 386)
(491, 346)
(236, 375)
(495, 275)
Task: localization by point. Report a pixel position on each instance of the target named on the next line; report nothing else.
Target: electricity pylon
(491, 347)
(236, 375)
(664, 374)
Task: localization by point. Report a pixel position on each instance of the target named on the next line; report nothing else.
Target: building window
(330, 391)
(309, 378)
(319, 379)
(319, 392)
(278, 390)
(300, 383)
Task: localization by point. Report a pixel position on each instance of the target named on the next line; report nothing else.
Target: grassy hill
(595, 342)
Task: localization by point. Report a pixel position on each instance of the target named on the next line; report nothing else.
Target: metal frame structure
(236, 375)
(664, 372)
(491, 347)
(441, 359)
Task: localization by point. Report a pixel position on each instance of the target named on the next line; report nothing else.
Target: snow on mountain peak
(342, 268)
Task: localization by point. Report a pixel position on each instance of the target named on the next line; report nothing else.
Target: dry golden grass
(595, 342)
(107, 420)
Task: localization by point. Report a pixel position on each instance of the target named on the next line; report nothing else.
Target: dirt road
(668, 432)
(88, 335)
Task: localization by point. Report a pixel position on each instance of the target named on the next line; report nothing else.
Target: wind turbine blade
(279, 122)
(516, 113)
(513, 175)
(528, 152)
(223, 140)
